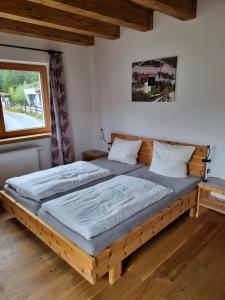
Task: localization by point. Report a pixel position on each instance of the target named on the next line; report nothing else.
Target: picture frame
(154, 80)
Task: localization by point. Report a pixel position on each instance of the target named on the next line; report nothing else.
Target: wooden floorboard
(185, 261)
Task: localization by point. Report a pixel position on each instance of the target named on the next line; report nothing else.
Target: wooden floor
(185, 261)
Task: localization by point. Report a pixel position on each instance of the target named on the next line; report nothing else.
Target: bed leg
(93, 279)
(192, 212)
(115, 273)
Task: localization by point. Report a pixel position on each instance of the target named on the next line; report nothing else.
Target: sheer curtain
(61, 151)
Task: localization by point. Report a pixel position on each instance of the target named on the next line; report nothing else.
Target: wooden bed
(110, 259)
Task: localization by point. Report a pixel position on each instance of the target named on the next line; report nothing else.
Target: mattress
(181, 187)
(116, 168)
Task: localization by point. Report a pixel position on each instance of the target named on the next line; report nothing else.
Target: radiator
(18, 162)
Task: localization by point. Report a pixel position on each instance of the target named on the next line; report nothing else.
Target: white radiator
(18, 162)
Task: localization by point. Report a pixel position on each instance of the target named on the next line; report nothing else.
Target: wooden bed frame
(110, 259)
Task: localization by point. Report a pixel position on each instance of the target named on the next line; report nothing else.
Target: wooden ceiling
(79, 21)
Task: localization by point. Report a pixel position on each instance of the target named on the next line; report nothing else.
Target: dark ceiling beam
(37, 31)
(36, 14)
(117, 12)
(181, 9)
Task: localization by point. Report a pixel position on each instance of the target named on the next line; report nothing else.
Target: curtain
(61, 151)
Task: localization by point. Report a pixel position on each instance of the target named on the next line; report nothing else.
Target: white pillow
(125, 151)
(170, 160)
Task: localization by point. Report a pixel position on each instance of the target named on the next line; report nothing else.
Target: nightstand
(209, 193)
(93, 154)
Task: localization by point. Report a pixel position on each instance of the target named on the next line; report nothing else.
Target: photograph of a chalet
(154, 80)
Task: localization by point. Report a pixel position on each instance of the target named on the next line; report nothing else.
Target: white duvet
(46, 183)
(96, 209)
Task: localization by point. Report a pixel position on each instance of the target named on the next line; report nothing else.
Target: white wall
(77, 75)
(198, 115)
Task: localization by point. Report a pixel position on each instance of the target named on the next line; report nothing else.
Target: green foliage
(11, 91)
(19, 96)
(139, 96)
(12, 79)
(153, 90)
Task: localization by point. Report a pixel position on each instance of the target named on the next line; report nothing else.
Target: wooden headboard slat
(195, 167)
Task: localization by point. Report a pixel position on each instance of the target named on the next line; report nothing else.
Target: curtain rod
(29, 48)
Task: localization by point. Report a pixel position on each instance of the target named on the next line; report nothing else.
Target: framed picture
(154, 80)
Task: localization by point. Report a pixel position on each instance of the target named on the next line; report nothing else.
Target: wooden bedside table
(93, 154)
(206, 199)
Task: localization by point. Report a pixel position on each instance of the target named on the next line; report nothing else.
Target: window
(24, 102)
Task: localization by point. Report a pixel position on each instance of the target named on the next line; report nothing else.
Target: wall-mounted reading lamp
(207, 161)
(109, 144)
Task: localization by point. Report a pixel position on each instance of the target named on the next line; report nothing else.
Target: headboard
(195, 167)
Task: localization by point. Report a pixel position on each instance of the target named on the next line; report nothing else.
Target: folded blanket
(96, 209)
(46, 183)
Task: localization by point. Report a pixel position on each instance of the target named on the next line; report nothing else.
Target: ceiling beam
(181, 9)
(32, 13)
(117, 12)
(36, 31)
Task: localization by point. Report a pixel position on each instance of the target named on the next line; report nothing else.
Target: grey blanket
(96, 209)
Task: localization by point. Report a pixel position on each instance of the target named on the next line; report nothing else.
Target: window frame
(45, 98)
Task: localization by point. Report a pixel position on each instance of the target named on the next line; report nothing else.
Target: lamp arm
(206, 160)
(103, 137)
